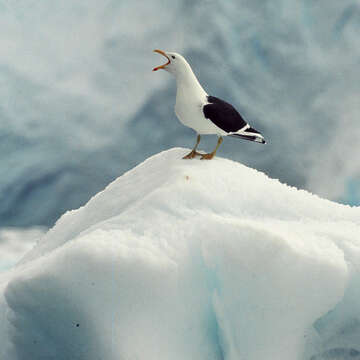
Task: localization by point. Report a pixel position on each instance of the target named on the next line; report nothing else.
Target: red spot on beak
(161, 66)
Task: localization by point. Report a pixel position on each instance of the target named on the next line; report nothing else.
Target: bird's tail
(250, 134)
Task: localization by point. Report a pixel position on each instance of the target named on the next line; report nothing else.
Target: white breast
(189, 110)
(190, 100)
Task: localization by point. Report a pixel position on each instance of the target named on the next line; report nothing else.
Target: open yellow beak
(161, 66)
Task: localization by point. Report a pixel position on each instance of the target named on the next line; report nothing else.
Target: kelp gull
(204, 113)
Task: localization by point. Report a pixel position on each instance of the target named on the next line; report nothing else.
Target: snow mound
(15, 242)
(189, 260)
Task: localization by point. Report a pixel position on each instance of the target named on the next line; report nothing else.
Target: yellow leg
(212, 154)
(193, 152)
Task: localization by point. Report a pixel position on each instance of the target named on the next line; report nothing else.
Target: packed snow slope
(181, 259)
(14, 243)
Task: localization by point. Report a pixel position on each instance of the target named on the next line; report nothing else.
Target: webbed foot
(207, 156)
(191, 154)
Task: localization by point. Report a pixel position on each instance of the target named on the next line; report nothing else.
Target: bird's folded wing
(223, 115)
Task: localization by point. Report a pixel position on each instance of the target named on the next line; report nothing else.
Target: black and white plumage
(227, 118)
(204, 113)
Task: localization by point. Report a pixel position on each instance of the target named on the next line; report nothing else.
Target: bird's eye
(173, 56)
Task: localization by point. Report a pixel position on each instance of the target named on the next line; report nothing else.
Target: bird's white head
(176, 64)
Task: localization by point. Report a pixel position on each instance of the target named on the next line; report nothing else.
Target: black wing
(223, 115)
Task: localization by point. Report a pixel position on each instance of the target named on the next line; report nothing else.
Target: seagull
(201, 112)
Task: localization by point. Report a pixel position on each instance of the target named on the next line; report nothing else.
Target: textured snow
(192, 259)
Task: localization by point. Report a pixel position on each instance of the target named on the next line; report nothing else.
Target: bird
(204, 113)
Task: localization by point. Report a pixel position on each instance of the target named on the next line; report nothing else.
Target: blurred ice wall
(79, 104)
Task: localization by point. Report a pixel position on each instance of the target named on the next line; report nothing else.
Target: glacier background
(79, 103)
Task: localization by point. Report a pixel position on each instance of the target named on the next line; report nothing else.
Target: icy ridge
(189, 259)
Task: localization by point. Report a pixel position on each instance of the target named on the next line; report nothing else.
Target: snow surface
(192, 259)
(14, 243)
